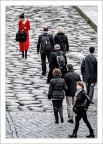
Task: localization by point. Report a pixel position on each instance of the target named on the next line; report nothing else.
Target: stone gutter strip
(89, 21)
(10, 121)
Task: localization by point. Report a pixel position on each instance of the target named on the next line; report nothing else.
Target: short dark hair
(91, 49)
(45, 28)
(69, 66)
(22, 16)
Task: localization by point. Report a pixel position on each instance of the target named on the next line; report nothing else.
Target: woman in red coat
(24, 25)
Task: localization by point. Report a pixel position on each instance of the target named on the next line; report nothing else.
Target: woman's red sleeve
(28, 26)
(20, 26)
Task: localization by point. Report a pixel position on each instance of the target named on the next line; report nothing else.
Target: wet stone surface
(26, 89)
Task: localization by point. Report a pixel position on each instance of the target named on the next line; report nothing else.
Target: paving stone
(24, 93)
(11, 103)
(25, 98)
(29, 102)
(37, 92)
(10, 94)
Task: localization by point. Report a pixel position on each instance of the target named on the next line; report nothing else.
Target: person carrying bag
(23, 35)
(80, 107)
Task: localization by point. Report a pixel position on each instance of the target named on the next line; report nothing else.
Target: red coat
(26, 27)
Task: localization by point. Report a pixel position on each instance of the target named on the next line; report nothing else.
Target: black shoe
(22, 54)
(26, 54)
(62, 120)
(74, 135)
(56, 122)
(43, 74)
(71, 121)
(91, 135)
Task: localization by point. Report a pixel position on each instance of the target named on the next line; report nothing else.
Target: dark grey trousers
(43, 62)
(58, 108)
(90, 89)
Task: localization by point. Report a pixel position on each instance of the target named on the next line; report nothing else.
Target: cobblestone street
(29, 114)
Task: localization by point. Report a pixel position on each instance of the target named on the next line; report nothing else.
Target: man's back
(41, 40)
(71, 78)
(53, 58)
(89, 68)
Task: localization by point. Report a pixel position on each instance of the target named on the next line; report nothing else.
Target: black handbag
(21, 36)
(76, 109)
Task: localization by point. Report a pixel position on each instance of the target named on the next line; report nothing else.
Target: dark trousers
(43, 62)
(82, 114)
(50, 75)
(25, 54)
(58, 108)
(90, 89)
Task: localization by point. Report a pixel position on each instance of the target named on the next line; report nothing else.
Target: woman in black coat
(61, 39)
(80, 108)
(56, 93)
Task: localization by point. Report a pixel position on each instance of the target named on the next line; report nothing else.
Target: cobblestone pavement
(29, 112)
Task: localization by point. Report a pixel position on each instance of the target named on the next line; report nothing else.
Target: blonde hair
(57, 72)
(60, 29)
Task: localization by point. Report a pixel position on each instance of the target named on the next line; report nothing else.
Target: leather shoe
(56, 122)
(71, 121)
(74, 135)
(91, 135)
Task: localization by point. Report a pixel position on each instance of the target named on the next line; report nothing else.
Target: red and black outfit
(24, 46)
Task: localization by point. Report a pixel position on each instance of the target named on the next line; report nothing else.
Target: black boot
(91, 135)
(62, 120)
(56, 121)
(74, 135)
(56, 115)
(22, 54)
(25, 54)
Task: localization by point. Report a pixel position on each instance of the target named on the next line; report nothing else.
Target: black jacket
(57, 88)
(89, 69)
(62, 40)
(71, 78)
(53, 59)
(82, 102)
(39, 43)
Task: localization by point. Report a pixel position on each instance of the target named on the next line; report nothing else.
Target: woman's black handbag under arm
(21, 36)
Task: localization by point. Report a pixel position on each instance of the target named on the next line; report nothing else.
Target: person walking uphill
(45, 47)
(24, 25)
(56, 93)
(61, 39)
(57, 60)
(80, 107)
(89, 72)
(71, 78)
